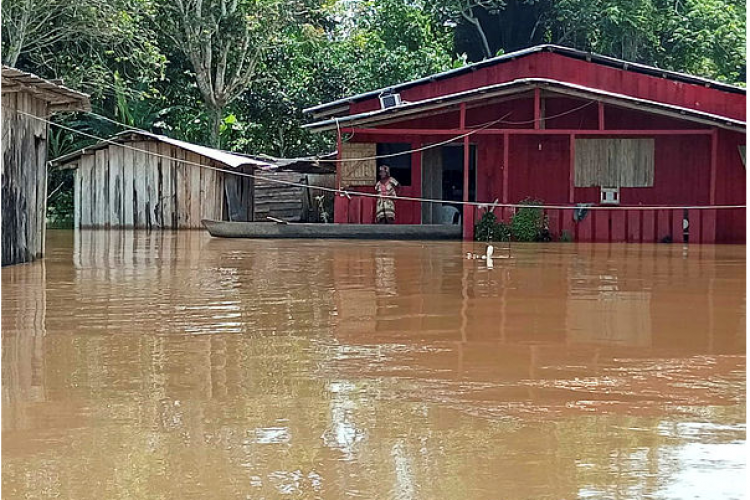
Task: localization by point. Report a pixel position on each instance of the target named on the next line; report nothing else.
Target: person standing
(385, 212)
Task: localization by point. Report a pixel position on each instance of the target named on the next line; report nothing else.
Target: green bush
(529, 223)
(489, 229)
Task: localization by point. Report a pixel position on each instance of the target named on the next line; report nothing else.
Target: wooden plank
(553, 218)
(166, 192)
(567, 224)
(601, 225)
(634, 226)
(77, 196)
(128, 187)
(585, 228)
(648, 226)
(196, 194)
(618, 226)
(694, 226)
(708, 226)
(355, 210)
(100, 214)
(154, 201)
(368, 210)
(140, 192)
(210, 200)
(677, 225)
(663, 225)
(115, 186)
(571, 173)
(85, 168)
(340, 209)
(182, 189)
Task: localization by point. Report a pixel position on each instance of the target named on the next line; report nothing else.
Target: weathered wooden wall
(146, 185)
(24, 177)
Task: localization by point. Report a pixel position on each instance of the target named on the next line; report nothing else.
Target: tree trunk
(214, 122)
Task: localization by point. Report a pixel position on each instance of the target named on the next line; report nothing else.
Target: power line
(349, 194)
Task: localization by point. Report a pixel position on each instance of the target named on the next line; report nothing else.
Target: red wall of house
(588, 74)
(539, 167)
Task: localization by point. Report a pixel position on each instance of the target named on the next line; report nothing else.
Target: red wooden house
(557, 125)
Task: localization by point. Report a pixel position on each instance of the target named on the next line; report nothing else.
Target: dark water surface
(175, 366)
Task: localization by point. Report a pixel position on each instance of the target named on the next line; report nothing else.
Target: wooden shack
(147, 181)
(28, 101)
(560, 126)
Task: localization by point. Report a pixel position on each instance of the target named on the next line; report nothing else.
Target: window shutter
(358, 172)
(614, 162)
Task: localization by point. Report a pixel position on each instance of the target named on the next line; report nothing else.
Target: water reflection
(374, 369)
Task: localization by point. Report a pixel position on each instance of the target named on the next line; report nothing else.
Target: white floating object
(490, 251)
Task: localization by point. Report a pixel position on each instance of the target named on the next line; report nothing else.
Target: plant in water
(490, 229)
(529, 223)
(566, 237)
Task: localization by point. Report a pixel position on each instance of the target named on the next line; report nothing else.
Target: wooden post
(506, 160)
(339, 215)
(714, 161)
(467, 210)
(572, 173)
(601, 115)
(537, 109)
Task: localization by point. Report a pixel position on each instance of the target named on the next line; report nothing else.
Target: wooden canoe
(222, 229)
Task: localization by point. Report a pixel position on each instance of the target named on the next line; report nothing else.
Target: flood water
(173, 365)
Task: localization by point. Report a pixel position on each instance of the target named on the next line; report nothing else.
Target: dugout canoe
(223, 229)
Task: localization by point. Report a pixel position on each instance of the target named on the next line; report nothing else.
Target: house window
(400, 165)
(614, 162)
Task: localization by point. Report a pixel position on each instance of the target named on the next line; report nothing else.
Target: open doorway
(443, 179)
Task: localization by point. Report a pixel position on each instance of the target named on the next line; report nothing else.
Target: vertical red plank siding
(634, 226)
(601, 225)
(368, 210)
(618, 226)
(468, 219)
(506, 160)
(542, 172)
(340, 209)
(708, 226)
(355, 205)
(585, 228)
(648, 226)
(677, 229)
(553, 216)
(714, 166)
(571, 168)
(694, 226)
(567, 223)
(663, 227)
(537, 109)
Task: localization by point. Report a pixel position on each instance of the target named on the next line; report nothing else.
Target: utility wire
(349, 194)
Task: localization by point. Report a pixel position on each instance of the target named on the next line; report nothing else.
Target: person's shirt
(387, 188)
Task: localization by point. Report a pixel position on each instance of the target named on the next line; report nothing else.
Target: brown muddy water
(177, 366)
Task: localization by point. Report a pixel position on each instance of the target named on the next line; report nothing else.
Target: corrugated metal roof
(226, 158)
(524, 85)
(57, 95)
(326, 108)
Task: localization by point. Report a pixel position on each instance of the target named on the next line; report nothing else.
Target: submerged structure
(141, 180)
(557, 125)
(28, 102)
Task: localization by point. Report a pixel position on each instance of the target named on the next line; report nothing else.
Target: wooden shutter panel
(614, 162)
(358, 172)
